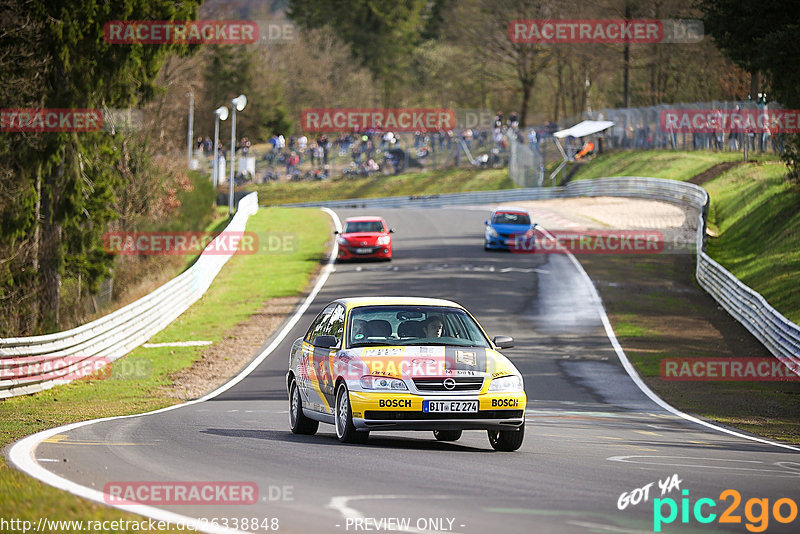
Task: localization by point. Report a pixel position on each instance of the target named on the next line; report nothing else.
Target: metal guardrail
(31, 364)
(779, 335)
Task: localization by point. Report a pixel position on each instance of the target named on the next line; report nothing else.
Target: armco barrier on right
(776, 332)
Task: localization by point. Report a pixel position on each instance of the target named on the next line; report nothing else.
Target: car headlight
(342, 241)
(506, 383)
(383, 383)
(384, 240)
(491, 231)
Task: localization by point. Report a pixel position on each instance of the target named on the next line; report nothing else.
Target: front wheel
(298, 422)
(343, 419)
(507, 440)
(447, 435)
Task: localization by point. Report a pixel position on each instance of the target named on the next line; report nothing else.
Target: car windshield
(413, 325)
(354, 227)
(511, 218)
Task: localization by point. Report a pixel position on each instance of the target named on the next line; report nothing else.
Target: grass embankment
(412, 183)
(755, 213)
(241, 289)
(659, 311)
(671, 164)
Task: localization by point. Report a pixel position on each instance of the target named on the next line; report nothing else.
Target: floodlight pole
(191, 129)
(237, 104)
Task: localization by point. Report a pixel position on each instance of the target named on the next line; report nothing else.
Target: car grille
(463, 383)
(378, 415)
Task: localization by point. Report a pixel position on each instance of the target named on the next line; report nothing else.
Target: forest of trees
(59, 192)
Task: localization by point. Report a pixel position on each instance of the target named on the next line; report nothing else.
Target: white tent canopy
(583, 129)
(579, 130)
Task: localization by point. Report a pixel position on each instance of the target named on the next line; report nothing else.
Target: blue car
(509, 228)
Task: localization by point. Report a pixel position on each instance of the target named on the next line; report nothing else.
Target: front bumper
(404, 411)
(375, 252)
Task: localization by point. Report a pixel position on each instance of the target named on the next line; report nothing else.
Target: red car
(365, 237)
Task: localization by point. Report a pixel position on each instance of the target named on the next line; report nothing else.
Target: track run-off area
(593, 432)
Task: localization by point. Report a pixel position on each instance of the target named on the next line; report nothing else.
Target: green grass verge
(240, 289)
(412, 183)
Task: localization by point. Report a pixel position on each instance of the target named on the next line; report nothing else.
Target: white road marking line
(21, 453)
(48, 460)
(626, 364)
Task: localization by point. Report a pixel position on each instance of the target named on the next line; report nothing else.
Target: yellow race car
(395, 363)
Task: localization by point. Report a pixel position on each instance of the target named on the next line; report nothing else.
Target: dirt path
(713, 172)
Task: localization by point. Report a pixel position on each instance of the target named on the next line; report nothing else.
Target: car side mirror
(486, 222)
(336, 232)
(502, 342)
(325, 342)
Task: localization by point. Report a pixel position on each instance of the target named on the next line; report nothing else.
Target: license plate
(363, 250)
(430, 406)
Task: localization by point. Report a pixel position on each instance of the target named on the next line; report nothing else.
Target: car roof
(355, 302)
(364, 218)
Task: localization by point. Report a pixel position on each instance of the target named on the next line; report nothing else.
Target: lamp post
(220, 114)
(191, 129)
(237, 104)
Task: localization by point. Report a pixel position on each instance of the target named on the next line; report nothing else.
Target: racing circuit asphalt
(591, 434)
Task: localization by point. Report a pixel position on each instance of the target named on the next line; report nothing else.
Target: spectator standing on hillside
(324, 144)
(533, 141)
(466, 135)
(302, 145)
(498, 120)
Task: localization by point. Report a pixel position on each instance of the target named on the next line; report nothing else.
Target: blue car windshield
(511, 218)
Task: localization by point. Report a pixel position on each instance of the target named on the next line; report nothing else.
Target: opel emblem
(363, 243)
(449, 384)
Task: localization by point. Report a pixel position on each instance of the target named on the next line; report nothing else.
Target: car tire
(298, 422)
(507, 440)
(447, 435)
(343, 419)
